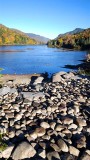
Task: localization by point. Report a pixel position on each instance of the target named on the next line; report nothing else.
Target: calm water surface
(37, 59)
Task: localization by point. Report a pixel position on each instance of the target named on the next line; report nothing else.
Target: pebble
(50, 118)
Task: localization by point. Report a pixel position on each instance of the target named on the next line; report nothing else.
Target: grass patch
(3, 145)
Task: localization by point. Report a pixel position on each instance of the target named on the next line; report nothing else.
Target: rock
(21, 81)
(4, 91)
(10, 115)
(69, 75)
(59, 127)
(57, 77)
(38, 80)
(62, 145)
(33, 95)
(52, 125)
(74, 151)
(23, 150)
(88, 151)
(55, 147)
(45, 125)
(52, 155)
(18, 116)
(81, 142)
(67, 120)
(85, 156)
(33, 135)
(81, 122)
(11, 134)
(72, 126)
(42, 144)
(68, 156)
(54, 108)
(42, 153)
(40, 131)
(7, 152)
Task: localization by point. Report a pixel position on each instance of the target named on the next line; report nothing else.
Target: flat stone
(45, 125)
(23, 150)
(62, 145)
(74, 151)
(81, 122)
(40, 131)
(59, 127)
(4, 91)
(67, 120)
(33, 95)
(72, 126)
(55, 147)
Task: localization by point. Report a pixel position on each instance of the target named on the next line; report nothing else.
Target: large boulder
(23, 150)
(7, 152)
(6, 90)
(38, 80)
(57, 77)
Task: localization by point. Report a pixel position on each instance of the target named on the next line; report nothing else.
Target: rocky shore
(45, 120)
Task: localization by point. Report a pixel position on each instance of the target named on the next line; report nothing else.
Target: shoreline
(47, 118)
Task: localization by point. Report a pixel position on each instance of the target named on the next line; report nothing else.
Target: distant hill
(77, 30)
(38, 38)
(72, 40)
(14, 37)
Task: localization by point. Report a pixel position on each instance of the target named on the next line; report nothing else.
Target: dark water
(37, 59)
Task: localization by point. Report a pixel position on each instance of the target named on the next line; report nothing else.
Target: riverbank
(83, 68)
(45, 120)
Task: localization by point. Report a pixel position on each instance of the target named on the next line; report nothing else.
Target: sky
(45, 17)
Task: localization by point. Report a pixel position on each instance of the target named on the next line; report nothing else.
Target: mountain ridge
(10, 36)
(38, 38)
(76, 30)
(78, 39)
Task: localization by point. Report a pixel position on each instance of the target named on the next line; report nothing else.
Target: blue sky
(45, 17)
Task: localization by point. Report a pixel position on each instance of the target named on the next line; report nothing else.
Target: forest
(79, 41)
(12, 37)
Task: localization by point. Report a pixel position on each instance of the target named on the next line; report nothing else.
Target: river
(37, 59)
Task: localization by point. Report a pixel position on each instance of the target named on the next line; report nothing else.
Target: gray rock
(33, 95)
(69, 75)
(57, 77)
(4, 91)
(38, 80)
(23, 150)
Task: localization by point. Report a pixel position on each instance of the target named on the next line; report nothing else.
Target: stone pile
(46, 120)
